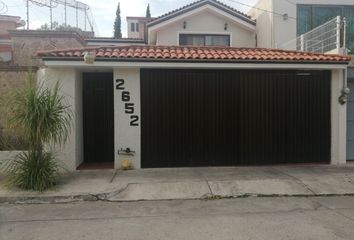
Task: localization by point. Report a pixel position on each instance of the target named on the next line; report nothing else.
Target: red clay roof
(192, 53)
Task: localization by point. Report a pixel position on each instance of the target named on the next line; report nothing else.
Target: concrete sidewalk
(193, 183)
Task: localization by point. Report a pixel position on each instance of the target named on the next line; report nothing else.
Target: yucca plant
(44, 117)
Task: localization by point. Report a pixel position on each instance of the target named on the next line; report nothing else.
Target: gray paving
(193, 183)
(283, 218)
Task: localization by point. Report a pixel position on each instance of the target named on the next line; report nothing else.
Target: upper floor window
(312, 16)
(134, 27)
(204, 39)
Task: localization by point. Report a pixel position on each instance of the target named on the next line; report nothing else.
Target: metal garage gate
(234, 117)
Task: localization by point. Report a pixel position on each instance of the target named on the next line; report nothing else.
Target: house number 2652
(129, 107)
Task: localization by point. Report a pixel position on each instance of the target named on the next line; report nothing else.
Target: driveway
(194, 183)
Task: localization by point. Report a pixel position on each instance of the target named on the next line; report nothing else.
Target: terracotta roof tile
(193, 53)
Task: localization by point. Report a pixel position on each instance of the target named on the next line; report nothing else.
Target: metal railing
(325, 38)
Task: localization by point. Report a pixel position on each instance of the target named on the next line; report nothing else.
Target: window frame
(205, 35)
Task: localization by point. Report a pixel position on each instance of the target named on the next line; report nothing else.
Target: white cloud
(37, 24)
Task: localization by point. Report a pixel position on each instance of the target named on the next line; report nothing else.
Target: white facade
(203, 20)
(69, 74)
(70, 79)
(127, 136)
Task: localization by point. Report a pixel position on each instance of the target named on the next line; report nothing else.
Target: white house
(201, 94)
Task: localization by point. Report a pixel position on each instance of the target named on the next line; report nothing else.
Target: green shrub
(44, 117)
(33, 170)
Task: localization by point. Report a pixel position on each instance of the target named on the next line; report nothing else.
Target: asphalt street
(230, 219)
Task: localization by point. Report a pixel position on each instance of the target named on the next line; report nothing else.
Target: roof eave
(161, 60)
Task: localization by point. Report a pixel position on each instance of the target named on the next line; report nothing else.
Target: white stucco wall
(126, 135)
(206, 22)
(71, 154)
(338, 120)
(283, 30)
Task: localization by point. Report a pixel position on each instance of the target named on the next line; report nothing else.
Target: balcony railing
(329, 37)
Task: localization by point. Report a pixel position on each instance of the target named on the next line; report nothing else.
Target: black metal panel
(234, 117)
(98, 117)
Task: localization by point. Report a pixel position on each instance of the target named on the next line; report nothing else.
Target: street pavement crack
(114, 176)
(296, 179)
(211, 191)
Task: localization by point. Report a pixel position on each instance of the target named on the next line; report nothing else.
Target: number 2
(120, 83)
(134, 120)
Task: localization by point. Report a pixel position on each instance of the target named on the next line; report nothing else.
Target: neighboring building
(136, 27)
(221, 102)
(17, 48)
(285, 20)
(7, 23)
(27, 42)
(136, 30)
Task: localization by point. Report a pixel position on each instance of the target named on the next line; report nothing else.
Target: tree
(44, 116)
(117, 24)
(148, 14)
(59, 27)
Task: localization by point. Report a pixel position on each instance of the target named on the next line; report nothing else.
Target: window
(132, 27)
(312, 16)
(204, 40)
(137, 27)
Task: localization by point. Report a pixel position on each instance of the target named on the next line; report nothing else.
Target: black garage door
(234, 117)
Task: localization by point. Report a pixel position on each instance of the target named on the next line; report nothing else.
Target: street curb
(105, 197)
(48, 199)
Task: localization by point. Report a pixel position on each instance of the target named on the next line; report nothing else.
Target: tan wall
(5, 26)
(9, 80)
(25, 47)
(206, 22)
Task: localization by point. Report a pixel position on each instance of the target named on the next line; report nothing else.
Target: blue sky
(104, 11)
